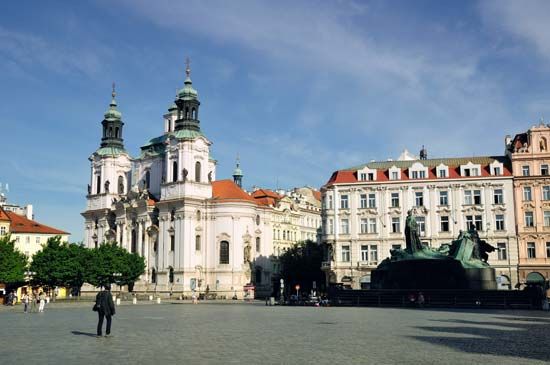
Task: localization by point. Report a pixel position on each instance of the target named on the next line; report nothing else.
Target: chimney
(28, 211)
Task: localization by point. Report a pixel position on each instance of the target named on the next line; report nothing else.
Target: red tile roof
(317, 195)
(382, 169)
(3, 215)
(266, 197)
(227, 190)
(20, 224)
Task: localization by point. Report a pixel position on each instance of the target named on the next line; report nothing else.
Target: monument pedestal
(425, 274)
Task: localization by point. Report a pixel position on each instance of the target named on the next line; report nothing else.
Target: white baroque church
(195, 232)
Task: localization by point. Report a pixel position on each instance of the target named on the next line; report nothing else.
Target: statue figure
(185, 173)
(247, 254)
(107, 183)
(210, 177)
(89, 189)
(481, 247)
(411, 234)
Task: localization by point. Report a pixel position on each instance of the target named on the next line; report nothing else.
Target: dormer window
(418, 171)
(442, 171)
(366, 174)
(470, 169)
(362, 176)
(394, 173)
(496, 168)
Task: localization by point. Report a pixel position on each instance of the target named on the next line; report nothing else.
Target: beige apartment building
(531, 168)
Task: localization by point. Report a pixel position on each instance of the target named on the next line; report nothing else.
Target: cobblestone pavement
(225, 333)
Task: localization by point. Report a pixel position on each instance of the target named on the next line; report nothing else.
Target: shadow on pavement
(78, 333)
(525, 340)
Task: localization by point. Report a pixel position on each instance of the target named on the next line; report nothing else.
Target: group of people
(30, 301)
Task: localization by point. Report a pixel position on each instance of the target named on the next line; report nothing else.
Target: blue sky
(297, 88)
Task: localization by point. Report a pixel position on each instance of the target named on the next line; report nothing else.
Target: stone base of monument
(422, 274)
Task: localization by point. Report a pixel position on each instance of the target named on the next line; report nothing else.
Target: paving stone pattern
(225, 333)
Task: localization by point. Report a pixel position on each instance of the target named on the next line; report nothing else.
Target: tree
(12, 263)
(76, 266)
(301, 265)
(110, 263)
(50, 265)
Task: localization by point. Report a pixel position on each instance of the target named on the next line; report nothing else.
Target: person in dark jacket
(105, 309)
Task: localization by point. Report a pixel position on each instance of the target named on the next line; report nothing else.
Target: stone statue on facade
(210, 177)
(106, 185)
(185, 173)
(246, 255)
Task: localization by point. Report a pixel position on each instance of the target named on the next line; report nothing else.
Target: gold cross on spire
(114, 92)
(188, 66)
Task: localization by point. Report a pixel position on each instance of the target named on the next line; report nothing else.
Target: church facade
(197, 233)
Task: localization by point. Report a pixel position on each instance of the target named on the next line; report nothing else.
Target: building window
(372, 200)
(330, 226)
(498, 197)
(531, 253)
(395, 247)
(344, 201)
(174, 171)
(472, 197)
(197, 171)
(372, 225)
(499, 222)
(546, 192)
(419, 198)
(421, 224)
(224, 252)
(329, 200)
(396, 225)
(441, 173)
(345, 253)
(529, 219)
(172, 242)
(444, 223)
(474, 221)
(525, 170)
(362, 176)
(444, 197)
(414, 175)
(171, 275)
(197, 242)
(547, 249)
(394, 175)
(364, 225)
(2, 231)
(546, 215)
(497, 170)
(154, 276)
(395, 200)
(373, 253)
(121, 184)
(501, 250)
(38, 240)
(363, 201)
(527, 193)
(344, 225)
(98, 184)
(544, 170)
(258, 246)
(364, 253)
(370, 176)
(257, 220)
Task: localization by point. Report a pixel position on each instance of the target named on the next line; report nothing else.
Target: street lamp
(116, 277)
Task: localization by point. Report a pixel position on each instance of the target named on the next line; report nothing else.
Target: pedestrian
(32, 300)
(25, 299)
(105, 308)
(194, 298)
(41, 301)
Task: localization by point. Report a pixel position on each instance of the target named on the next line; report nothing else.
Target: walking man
(105, 309)
(41, 301)
(25, 299)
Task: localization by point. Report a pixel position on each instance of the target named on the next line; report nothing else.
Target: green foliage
(12, 263)
(110, 263)
(301, 265)
(51, 265)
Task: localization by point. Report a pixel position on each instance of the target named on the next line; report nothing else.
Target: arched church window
(147, 179)
(174, 171)
(198, 215)
(172, 215)
(193, 113)
(110, 134)
(154, 276)
(257, 220)
(258, 246)
(197, 242)
(98, 185)
(197, 171)
(171, 275)
(224, 252)
(134, 241)
(186, 112)
(543, 145)
(284, 235)
(117, 135)
(120, 185)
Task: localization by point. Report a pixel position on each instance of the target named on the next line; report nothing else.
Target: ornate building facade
(531, 167)
(195, 232)
(364, 210)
